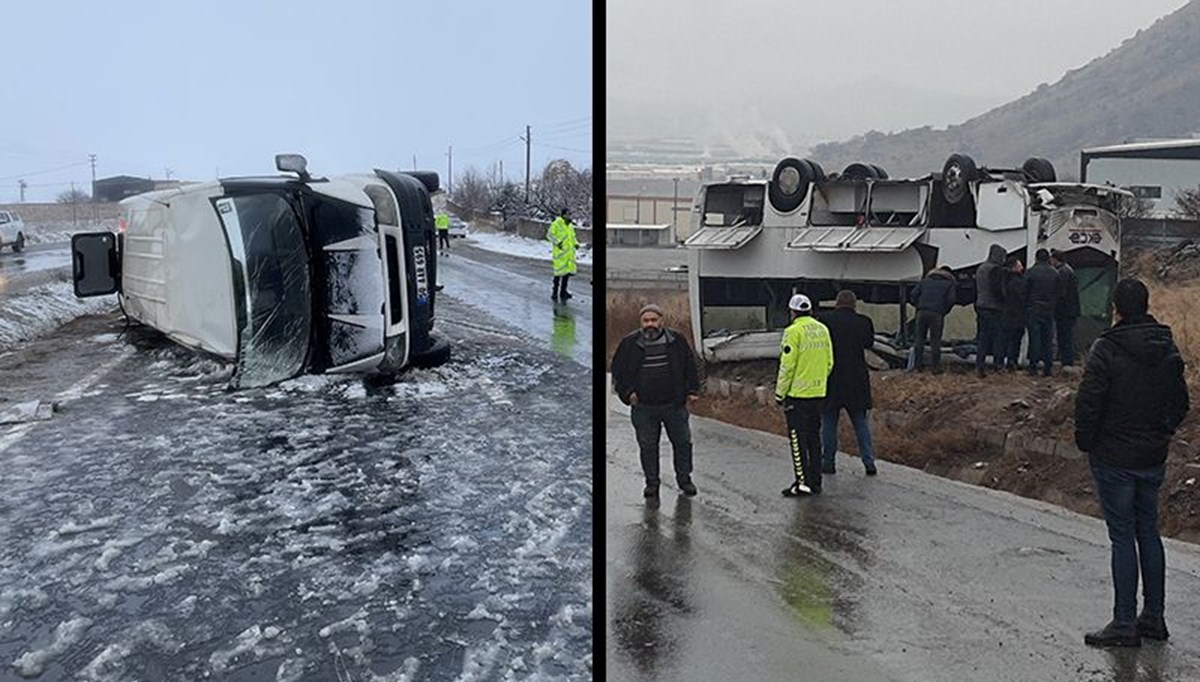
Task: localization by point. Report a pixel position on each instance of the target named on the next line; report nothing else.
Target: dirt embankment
(1008, 431)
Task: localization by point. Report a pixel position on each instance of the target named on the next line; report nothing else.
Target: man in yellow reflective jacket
(442, 222)
(561, 235)
(805, 361)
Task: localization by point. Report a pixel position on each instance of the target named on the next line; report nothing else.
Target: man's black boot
(688, 488)
(1112, 636)
(651, 489)
(1152, 628)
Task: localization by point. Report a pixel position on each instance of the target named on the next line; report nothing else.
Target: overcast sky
(352, 84)
(829, 70)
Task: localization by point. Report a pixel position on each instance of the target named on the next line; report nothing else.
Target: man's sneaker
(797, 489)
(1152, 628)
(871, 470)
(1112, 635)
(651, 490)
(688, 487)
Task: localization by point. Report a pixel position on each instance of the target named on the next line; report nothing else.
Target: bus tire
(1037, 169)
(957, 174)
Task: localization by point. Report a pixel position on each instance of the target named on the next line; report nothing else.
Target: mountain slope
(1149, 87)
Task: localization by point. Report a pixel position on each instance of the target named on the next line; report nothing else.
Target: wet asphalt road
(37, 264)
(161, 527)
(900, 577)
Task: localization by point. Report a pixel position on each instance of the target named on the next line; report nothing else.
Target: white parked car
(12, 231)
(458, 228)
(280, 275)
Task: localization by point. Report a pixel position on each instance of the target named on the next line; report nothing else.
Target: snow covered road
(161, 527)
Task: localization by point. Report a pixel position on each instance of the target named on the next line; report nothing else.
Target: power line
(43, 172)
(552, 126)
(569, 149)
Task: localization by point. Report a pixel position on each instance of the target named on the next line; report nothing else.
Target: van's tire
(785, 202)
(880, 173)
(19, 245)
(862, 171)
(1037, 169)
(958, 172)
(427, 178)
(437, 355)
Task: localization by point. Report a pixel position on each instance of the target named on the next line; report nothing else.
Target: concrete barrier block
(764, 395)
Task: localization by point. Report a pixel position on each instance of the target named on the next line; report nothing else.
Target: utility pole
(92, 159)
(450, 169)
(168, 171)
(414, 161)
(527, 138)
(74, 203)
(22, 184)
(501, 171)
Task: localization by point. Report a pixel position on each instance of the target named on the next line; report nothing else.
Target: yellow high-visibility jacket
(805, 360)
(561, 235)
(441, 221)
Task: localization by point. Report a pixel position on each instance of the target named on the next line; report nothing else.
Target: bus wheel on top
(956, 174)
(1037, 169)
(862, 171)
(789, 184)
(880, 173)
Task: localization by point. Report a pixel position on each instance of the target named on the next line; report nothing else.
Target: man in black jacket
(849, 386)
(933, 296)
(1066, 313)
(1043, 288)
(1131, 400)
(989, 300)
(655, 372)
(1014, 312)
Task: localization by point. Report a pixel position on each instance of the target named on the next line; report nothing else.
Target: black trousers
(804, 433)
(560, 285)
(648, 423)
(444, 238)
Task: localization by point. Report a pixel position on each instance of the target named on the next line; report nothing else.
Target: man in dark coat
(849, 385)
(933, 296)
(1131, 400)
(655, 372)
(1066, 313)
(1014, 312)
(1043, 290)
(989, 299)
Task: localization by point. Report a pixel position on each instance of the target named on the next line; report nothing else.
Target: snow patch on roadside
(60, 231)
(42, 309)
(524, 247)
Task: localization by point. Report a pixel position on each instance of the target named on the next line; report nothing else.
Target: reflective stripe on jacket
(805, 360)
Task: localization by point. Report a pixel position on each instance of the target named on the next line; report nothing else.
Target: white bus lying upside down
(756, 242)
(281, 275)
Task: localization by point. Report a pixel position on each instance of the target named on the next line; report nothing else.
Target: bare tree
(1137, 207)
(1187, 203)
(73, 196)
(473, 192)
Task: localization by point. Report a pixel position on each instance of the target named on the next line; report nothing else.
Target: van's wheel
(19, 245)
(789, 184)
(880, 173)
(437, 355)
(1037, 169)
(956, 174)
(818, 172)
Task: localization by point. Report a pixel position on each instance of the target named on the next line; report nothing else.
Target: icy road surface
(160, 527)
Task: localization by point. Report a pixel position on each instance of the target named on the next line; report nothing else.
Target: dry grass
(621, 314)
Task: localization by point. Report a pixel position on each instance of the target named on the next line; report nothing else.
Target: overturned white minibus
(281, 275)
(756, 242)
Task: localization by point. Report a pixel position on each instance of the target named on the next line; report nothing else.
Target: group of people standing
(1131, 400)
(822, 371)
(1010, 301)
